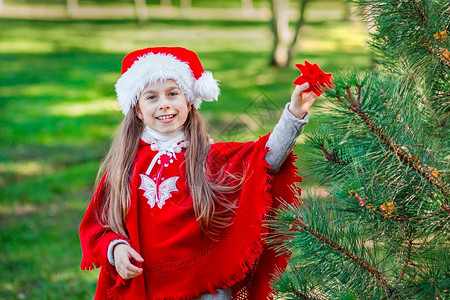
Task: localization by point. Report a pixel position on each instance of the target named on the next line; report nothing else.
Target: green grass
(58, 114)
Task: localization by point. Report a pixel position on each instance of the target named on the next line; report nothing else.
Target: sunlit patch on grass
(24, 209)
(72, 109)
(337, 36)
(30, 90)
(25, 168)
(73, 275)
(24, 46)
(7, 286)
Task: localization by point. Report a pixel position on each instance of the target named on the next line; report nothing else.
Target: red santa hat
(150, 65)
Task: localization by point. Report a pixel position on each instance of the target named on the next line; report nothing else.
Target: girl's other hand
(122, 255)
(301, 102)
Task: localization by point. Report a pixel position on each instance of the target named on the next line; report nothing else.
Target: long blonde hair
(207, 196)
(211, 206)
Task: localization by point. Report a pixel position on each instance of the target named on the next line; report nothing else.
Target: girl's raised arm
(290, 126)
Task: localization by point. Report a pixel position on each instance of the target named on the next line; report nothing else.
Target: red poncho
(180, 261)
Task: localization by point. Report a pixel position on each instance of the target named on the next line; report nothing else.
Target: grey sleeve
(111, 246)
(283, 138)
(220, 295)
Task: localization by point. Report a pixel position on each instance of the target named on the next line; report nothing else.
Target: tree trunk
(166, 2)
(300, 22)
(141, 11)
(281, 33)
(186, 3)
(346, 11)
(247, 4)
(72, 7)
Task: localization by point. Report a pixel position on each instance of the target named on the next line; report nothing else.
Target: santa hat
(150, 65)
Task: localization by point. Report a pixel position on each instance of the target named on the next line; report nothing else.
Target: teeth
(165, 117)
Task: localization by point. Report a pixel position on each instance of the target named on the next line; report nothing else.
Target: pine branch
(388, 220)
(376, 273)
(355, 107)
(446, 208)
(290, 287)
(330, 156)
(301, 224)
(362, 202)
(298, 294)
(385, 213)
(438, 53)
(408, 256)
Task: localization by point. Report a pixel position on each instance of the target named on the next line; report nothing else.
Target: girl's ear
(138, 112)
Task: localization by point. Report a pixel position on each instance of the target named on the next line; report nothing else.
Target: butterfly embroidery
(158, 193)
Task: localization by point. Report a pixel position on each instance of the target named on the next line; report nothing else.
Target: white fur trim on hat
(152, 68)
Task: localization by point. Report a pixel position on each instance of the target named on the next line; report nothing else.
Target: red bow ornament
(316, 78)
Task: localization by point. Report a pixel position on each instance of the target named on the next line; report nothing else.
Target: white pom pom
(206, 88)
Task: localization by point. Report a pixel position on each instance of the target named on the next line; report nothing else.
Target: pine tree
(382, 152)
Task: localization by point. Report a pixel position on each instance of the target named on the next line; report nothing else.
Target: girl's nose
(164, 103)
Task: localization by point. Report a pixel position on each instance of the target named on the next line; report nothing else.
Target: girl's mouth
(166, 117)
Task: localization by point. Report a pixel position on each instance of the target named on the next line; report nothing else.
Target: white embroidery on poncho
(158, 194)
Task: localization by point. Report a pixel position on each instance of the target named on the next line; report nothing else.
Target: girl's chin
(168, 129)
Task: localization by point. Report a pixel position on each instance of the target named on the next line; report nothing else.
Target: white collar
(165, 143)
(151, 136)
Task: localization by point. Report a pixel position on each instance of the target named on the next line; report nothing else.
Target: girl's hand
(122, 255)
(301, 102)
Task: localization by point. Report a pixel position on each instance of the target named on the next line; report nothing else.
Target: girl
(174, 215)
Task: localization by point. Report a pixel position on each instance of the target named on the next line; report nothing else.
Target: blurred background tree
(72, 7)
(383, 152)
(283, 40)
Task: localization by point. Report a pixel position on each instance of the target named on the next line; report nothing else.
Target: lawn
(58, 114)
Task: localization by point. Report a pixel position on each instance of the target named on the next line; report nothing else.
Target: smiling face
(162, 106)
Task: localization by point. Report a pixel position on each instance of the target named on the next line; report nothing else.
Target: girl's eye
(172, 94)
(151, 97)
